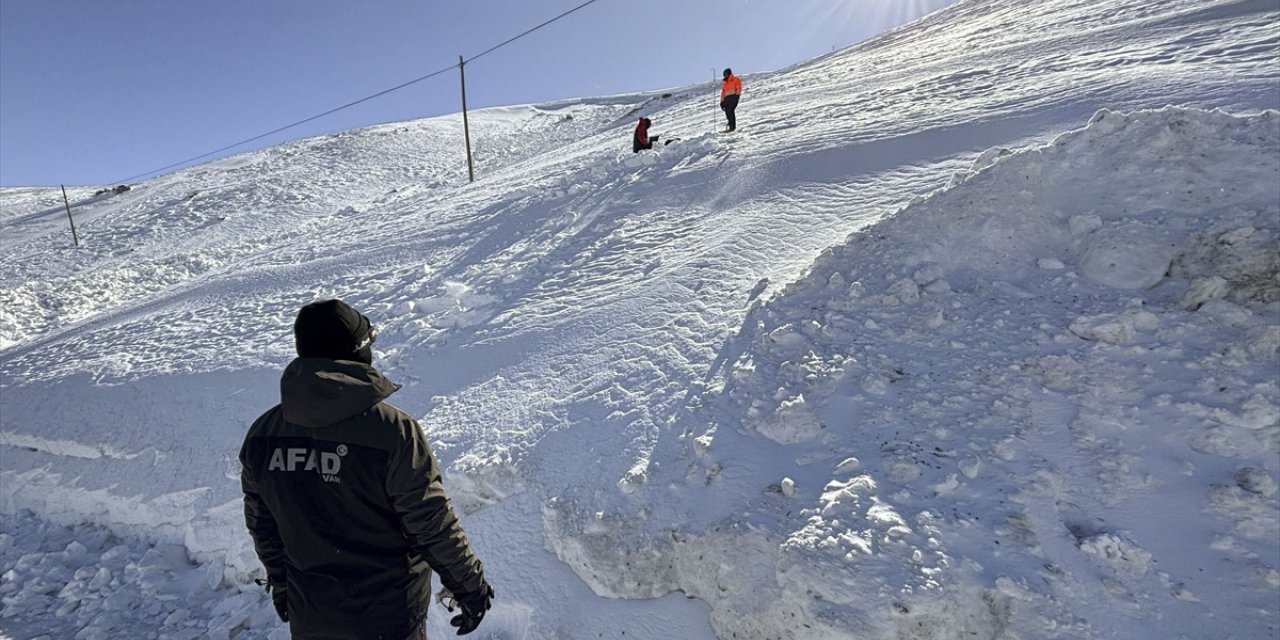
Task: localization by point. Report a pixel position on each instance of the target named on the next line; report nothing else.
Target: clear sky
(93, 92)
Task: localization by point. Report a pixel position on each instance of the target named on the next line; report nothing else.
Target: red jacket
(641, 138)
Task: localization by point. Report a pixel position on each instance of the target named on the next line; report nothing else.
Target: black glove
(473, 606)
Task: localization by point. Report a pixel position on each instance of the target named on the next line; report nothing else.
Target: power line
(496, 47)
(290, 126)
(355, 102)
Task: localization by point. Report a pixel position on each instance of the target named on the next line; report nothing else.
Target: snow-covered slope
(1038, 400)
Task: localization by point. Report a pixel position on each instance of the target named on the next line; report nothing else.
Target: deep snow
(963, 335)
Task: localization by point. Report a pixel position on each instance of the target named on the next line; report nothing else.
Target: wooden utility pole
(466, 129)
(67, 202)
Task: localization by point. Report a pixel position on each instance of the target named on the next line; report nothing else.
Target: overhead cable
(290, 126)
(353, 103)
(499, 46)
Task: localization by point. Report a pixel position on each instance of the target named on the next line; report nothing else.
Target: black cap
(728, 72)
(332, 329)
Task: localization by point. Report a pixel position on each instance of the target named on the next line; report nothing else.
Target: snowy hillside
(964, 334)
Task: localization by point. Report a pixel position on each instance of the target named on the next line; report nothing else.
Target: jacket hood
(318, 392)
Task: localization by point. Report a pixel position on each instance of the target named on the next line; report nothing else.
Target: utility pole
(67, 202)
(715, 120)
(466, 128)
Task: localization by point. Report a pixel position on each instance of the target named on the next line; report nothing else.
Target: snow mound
(956, 397)
(1120, 201)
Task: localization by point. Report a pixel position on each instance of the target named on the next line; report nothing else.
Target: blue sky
(95, 92)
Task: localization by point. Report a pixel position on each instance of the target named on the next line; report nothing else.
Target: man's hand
(279, 596)
(473, 606)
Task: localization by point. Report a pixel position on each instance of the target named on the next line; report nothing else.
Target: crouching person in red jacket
(641, 139)
(344, 499)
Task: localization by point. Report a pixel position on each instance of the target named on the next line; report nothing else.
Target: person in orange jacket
(730, 90)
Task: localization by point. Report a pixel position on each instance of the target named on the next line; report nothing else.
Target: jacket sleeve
(417, 494)
(261, 524)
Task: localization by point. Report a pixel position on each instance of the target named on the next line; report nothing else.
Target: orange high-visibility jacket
(732, 86)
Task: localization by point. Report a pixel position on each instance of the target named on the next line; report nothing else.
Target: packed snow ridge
(1041, 402)
(928, 350)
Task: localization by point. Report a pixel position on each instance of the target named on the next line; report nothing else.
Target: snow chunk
(1257, 481)
(1263, 343)
(1144, 320)
(946, 486)
(1084, 224)
(786, 335)
(1058, 371)
(927, 273)
(1128, 256)
(906, 291)
(836, 492)
(702, 444)
(848, 465)
(1241, 264)
(938, 286)
(636, 477)
(1118, 551)
(793, 422)
(1255, 516)
(1108, 327)
(1203, 290)
(1255, 413)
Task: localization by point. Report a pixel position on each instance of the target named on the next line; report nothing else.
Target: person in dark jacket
(344, 499)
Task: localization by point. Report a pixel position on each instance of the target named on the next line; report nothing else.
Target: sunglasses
(368, 339)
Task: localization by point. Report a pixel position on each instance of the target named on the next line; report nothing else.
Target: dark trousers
(730, 103)
(637, 146)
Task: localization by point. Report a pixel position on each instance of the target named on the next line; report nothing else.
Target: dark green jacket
(344, 501)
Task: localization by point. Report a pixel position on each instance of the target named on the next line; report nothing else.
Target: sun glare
(864, 18)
